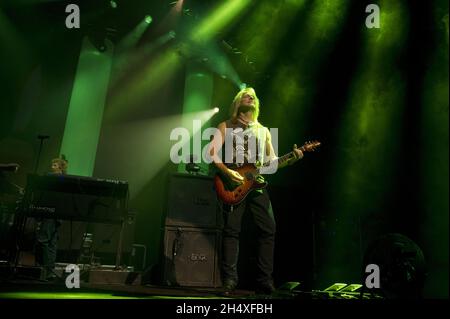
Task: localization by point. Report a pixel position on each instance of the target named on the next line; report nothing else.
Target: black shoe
(265, 289)
(229, 285)
(50, 275)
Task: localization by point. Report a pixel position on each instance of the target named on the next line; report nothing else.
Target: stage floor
(36, 289)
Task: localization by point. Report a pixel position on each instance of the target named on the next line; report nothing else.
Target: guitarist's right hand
(234, 176)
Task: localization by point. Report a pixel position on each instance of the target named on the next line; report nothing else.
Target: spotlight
(113, 4)
(98, 40)
(148, 19)
(216, 110)
(172, 34)
(242, 86)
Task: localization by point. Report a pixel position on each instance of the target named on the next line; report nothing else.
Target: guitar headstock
(310, 146)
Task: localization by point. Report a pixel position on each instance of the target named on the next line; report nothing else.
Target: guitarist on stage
(244, 118)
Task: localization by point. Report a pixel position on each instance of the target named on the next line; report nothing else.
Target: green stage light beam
(171, 20)
(293, 86)
(142, 148)
(211, 57)
(325, 20)
(141, 154)
(132, 38)
(124, 62)
(267, 23)
(221, 17)
(368, 141)
(85, 114)
(158, 71)
(144, 83)
(148, 48)
(219, 63)
(198, 91)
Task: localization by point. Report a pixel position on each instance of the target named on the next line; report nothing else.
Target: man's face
(56, 168)
(247, 100)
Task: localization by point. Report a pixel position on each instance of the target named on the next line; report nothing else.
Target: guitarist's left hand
(298, 154)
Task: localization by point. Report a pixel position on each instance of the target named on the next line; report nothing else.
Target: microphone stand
(41, 138)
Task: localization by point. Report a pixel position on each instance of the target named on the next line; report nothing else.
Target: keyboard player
(47, 229)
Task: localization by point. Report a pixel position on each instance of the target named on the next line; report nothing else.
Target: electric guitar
(232, 193)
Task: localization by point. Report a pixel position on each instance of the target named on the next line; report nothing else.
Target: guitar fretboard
(281, 160)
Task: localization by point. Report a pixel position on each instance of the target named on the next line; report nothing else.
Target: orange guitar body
(232, 193)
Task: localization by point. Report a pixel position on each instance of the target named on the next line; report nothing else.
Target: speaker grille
(191, 257)
(192, 202)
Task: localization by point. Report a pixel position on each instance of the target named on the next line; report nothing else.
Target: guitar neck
(283, 159)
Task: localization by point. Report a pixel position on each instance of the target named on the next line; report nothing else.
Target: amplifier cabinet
(192, 202)
(191, 257)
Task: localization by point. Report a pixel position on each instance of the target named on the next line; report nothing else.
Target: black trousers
(258, 205)
(46, 243)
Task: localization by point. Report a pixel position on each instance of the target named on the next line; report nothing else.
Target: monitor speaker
(191, 257)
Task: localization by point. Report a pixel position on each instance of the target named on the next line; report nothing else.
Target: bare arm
(270, 152)
(214, 147)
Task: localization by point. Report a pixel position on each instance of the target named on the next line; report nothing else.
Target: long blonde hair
(237, 102)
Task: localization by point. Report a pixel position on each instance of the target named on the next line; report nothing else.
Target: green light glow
(58, 295)
(84, 118)
(86, 295)
(369, 140)
(324, 21)
(219, 19)
(128, 58)
(268, 23)
(198, 92)
(147, 81)
(131, 39)
(147, 136)
(214, 59)
(294, 92)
